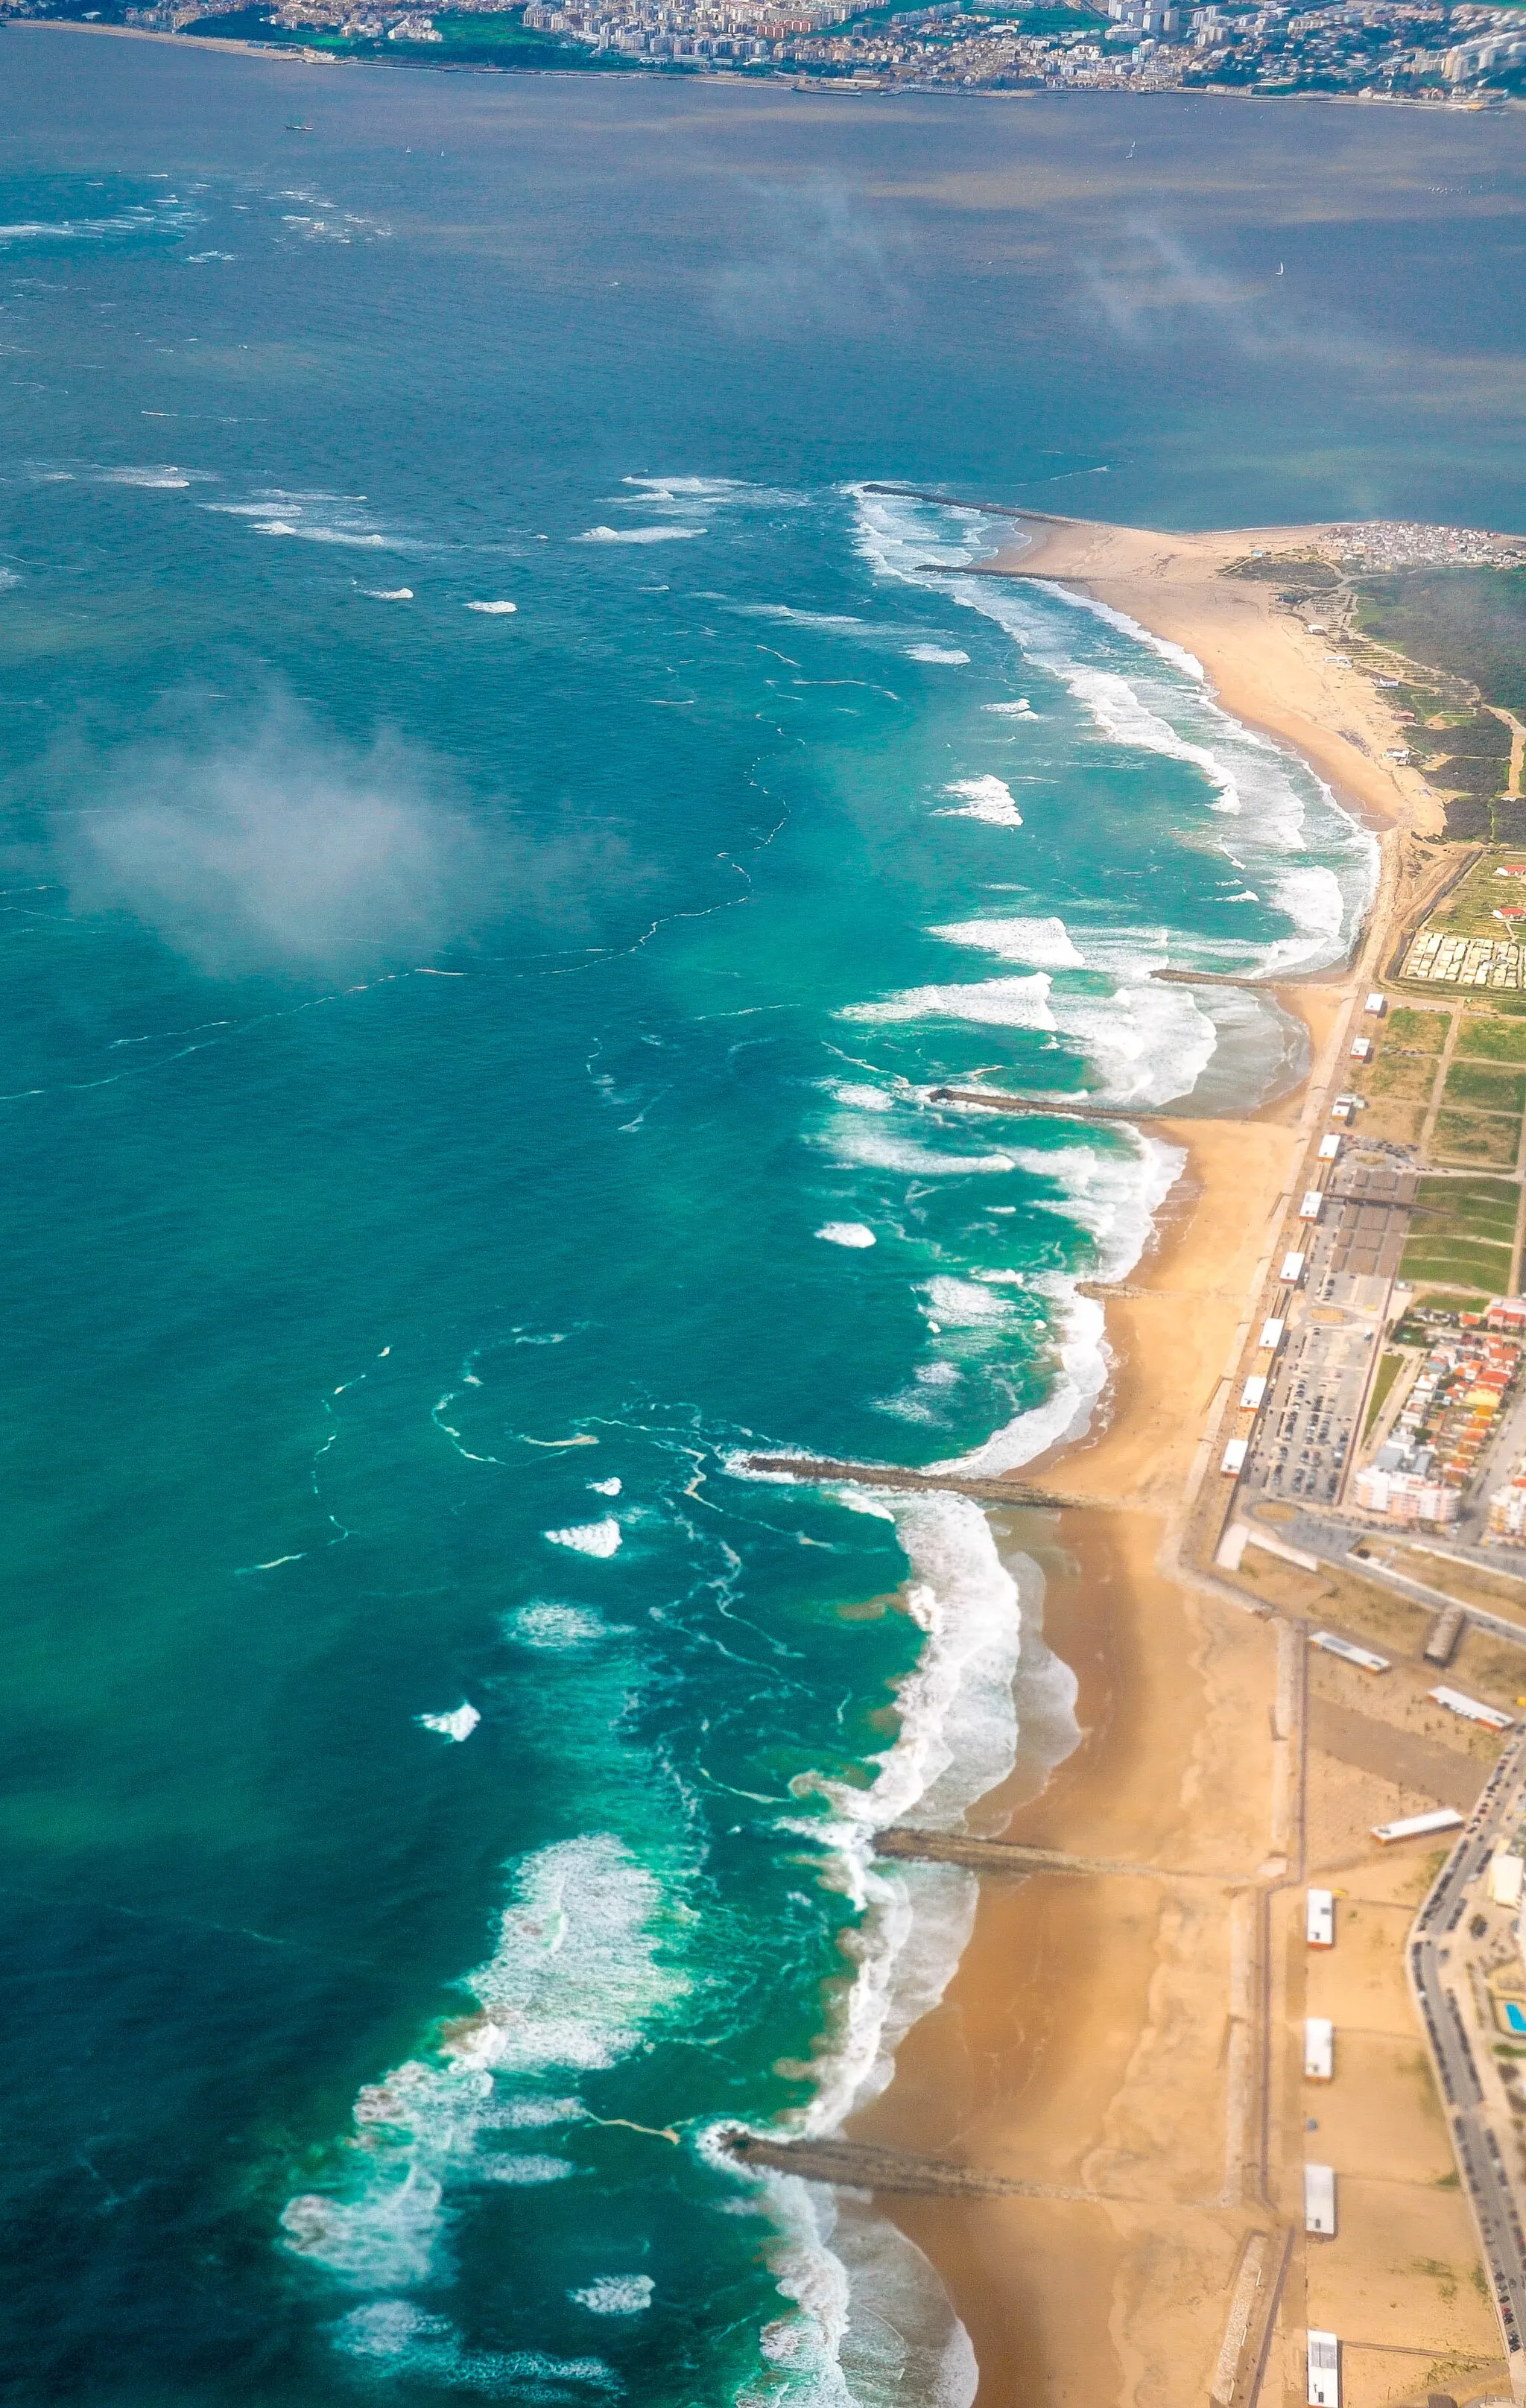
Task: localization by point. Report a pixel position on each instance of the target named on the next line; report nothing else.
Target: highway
(1441, 1952)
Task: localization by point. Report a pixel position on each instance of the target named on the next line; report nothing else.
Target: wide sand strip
(1263, 663)
(1100, 2034)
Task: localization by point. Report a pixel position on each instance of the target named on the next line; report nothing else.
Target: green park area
(1462, 1234)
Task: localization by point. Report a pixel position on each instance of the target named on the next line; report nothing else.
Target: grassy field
(1476, 1137)
(1491, 1086)
(1469, 909)
(1389, 1368)
(1485, 1037)
(1461, 1233)
(1402, 1078)
(1421, 1032)
(1468, 622)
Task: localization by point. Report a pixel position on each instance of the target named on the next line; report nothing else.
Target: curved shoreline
(1081, 2042)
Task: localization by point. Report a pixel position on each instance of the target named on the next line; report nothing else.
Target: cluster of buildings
(1380, 47)
(702, 32)
(1449, 1417)
(1372, 48)
(1465, 961)
(1410, 543)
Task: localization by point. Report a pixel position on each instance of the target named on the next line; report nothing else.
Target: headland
(1117, 2070)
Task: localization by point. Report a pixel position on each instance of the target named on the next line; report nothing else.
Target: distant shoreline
(809, 87)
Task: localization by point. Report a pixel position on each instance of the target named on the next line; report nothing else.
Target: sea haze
(505, 829)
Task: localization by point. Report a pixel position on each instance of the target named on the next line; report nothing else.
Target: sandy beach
(1264, 665)
(1098, 2039)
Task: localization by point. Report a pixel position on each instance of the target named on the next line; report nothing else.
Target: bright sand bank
(1082, 2043)
(1096, 2038)
(1263, 663)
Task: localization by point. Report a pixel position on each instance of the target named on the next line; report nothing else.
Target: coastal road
(1334, 1542)
(1443, 1961)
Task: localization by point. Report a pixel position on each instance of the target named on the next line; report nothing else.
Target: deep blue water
(466, 1082)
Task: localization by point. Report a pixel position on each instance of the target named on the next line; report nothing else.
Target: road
(1333, 1541)
(1441, 1957)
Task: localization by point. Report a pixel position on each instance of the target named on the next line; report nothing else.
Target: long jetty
(866, 2165)
(870, 2165)
(1014, 1857)
(819, 1469)
(1065, 1107)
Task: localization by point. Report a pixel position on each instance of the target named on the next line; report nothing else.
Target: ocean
(507, 824)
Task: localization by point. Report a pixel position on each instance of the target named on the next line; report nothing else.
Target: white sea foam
(549, 1626)
(639, 535)
(845, 1233)
(1045, 943)
(873, 2327)
(388, 594)
(696, 493)
(939, 654)
(574, 1982)
(588, 1538)
(871, 1150)
(494, 609)
(871, 2322)
(862, 1098)
(153, 480)
(1311, 896)
(995, 1003)
(1149, 1043)
(1115, 1200)
(606, 1487)
(615, 2295)
(352, 538)
(1155, 698)
(1023, 710)
(984, 799)
(956, 1740)
(457, 1725)
(76, 229)
(799, 618)
(522, 2115)
(394, 2339)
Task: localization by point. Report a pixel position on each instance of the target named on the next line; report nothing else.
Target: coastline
(775, 79)
(1095, 2035)
(1263, 666)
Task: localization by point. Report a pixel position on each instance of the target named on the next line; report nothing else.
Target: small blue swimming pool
(1514, 2017)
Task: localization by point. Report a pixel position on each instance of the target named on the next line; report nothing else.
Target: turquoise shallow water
(466, 1085)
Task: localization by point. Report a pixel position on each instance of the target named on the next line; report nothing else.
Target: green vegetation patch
(1403, 1077)
(1469, 909)
(1466, 819)
(1484, 1208)
(1388, 1371)
(1485, 1270)
(1422, 1032)
(1481, 738)
(1469, 774)
(1476, 1137)
(1483, 1034)
(1492, 1088)
(1470, 622)
(466, 40)
(1463, 1230)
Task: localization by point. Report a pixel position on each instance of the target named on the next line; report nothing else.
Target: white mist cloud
(812, 259)
(281, 846)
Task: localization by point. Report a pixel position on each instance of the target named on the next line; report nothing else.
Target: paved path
(1439, 1972)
